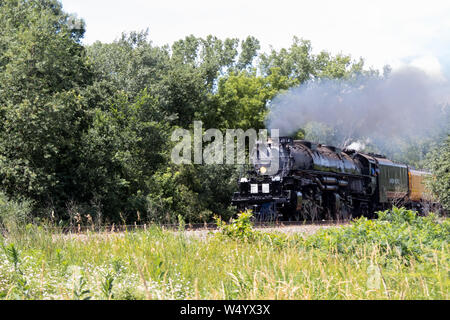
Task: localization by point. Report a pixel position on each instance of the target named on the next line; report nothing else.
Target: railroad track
(188, 227)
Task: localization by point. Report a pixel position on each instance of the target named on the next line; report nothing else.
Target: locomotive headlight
(266, 188)
(263, 170)
(254, 188)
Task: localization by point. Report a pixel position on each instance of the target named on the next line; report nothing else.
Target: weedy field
(398, 256)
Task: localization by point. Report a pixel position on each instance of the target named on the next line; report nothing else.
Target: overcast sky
(395, 32)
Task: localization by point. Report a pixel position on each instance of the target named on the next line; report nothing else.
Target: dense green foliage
(439, 162)
(85, 130)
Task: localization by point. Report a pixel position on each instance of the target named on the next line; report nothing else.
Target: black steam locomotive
(318, 182)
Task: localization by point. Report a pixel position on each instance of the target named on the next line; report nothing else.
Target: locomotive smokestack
(357, 146)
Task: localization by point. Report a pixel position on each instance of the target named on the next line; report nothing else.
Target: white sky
(395, 32)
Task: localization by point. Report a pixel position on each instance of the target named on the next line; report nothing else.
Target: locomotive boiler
(319, 182)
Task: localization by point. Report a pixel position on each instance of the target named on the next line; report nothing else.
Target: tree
(299, 64)
(68, 135)
(196, 192)
(243, 98)
(338, 67)
(439, 162)
(122, 149)
(250, 48)
(89, 128)
(183, 77)
(131, 63)
(40, 51)
(43, 69)
(38, 143)
(295, 63)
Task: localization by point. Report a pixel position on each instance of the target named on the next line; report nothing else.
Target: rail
(78, 229)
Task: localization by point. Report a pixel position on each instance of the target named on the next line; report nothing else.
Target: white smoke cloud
(409, 103)
(357, 146)
(430, 65)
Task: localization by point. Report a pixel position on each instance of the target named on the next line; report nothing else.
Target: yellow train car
(417, 188)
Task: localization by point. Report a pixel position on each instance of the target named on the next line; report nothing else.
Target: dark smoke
(406, 105)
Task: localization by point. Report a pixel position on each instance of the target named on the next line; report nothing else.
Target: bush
(240, 228)
(439, 163)
(13, 214)
(196, 192)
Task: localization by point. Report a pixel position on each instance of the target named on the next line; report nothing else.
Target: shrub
(13, 214)
(397, 232)
(240, 228)
(439, 163)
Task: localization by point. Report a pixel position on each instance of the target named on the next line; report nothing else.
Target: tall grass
(356, 262)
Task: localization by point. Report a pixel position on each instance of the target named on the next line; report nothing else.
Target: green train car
(393, 183)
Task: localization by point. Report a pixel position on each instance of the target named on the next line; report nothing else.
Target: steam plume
(407, 104)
